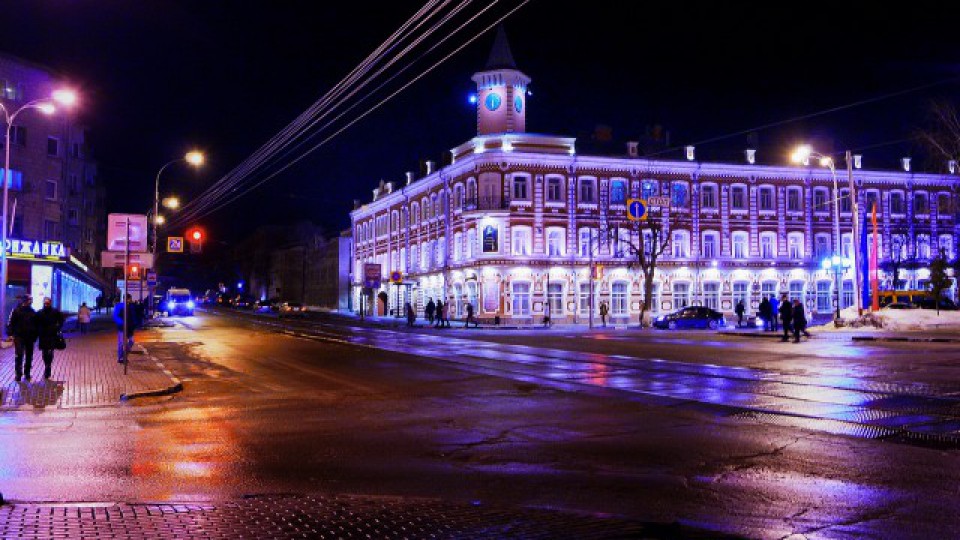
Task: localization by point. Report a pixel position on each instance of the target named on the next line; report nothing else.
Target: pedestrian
(470, 317)
(786, 317)
(799, 322)
(774, 313)
(739, 311)
(411, 315)
(546, 315)
(83, 318)
(131, 325)
(22, 326)
(49, 321)
(429, 310)
(99, 303)
(603, 312)
(764, 313)
(439, 315)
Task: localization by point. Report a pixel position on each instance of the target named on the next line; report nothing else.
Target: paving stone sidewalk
(85, 374)
(318, 516)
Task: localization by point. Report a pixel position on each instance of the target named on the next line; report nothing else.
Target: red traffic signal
(134, 272)
(195, 237)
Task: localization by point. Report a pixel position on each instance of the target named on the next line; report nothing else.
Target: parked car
(262, 306)
(691, 317)
(243, 302)
(292, 309)
(179, 302)
(946, 304)
(900, 305)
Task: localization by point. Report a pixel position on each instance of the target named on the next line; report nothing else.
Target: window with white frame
(649, 188)
(457, 247)
(711, 241)
(739, 244)
(520, 240)
(471, 242)
(768, 245)
(554, 189)
(923, 246)
(472, 298)
(795, 245)
(871, 238)
(621, 242)
(521, 299)
(768, 290)
(586, 242)
(680, 244)
(898, 247)
(845, 204)
(945, 245)
(820, 196)
(741, 293)
(794, 199)
(821, 246)
(51, 193)
(555, 242)
(583, 300)
(588, 190)
(618, 192)
(846, 297)
(521, 187)
(766, 202)
(711, 295)
(681, 294)
(796, 291)
(896, 202)
(943, 204)
(921, 203)
(618, 298)
(708, 196)
(738, 197)
(555, 299)
(823, 297)
(846, 245)
(414, 257)
(873, 197)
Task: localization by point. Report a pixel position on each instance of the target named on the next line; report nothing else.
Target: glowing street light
(65, 97)
(160, 220)
(194, 158)
(172, 203)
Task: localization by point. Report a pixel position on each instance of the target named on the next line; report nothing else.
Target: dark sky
(159, 76)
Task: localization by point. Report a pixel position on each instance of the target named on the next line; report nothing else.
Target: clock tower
(501, 91)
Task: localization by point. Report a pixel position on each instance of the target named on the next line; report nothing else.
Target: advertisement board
(41, 284)
(113, 259)
(372, 274)
(117, 237)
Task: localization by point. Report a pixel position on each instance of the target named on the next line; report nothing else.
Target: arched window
(415, 212)
(472, 188)
(680, 243)
(795, 245)
(555, 242)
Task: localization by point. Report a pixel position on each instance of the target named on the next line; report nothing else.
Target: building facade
(518, 221)
(56, 201)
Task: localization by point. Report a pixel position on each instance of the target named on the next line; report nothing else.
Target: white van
(179, 302)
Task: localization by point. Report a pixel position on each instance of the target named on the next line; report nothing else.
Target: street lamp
(837, 263)
(65, 97)
(195, 159)
(802, 155)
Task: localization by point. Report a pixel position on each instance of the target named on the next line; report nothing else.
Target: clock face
(518, 103)
(493, 101)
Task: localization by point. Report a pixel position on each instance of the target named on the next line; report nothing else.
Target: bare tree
(939, 281)
(941, 136)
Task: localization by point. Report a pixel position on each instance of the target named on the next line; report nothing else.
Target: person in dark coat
(786, 316)
(131, 325)
(470, 317)
(774, 313)
(429, 310)
(739, 311)
(764, 311)
(799, 321)
(439, 317)
(411, 315)
(22, 327)
(49, 321)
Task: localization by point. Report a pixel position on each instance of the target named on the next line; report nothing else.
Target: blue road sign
(636, 209)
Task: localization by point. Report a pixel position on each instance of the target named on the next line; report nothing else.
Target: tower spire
(501, 91)
(500, 55)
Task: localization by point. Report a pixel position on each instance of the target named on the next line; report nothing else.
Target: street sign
(151, 279)
(174, 244)
(372, 274)
(657, 202)
(135, 289)
(396, 277)
(636, 209)
(118, 238)
(112, 259)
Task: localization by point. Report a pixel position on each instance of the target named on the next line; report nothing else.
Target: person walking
(786, 317)
(546, 315)
(131, 325)
(83, 318)
(22, 327)
(739, 311)
(445, 315)
(438, 319)
(799, 321)
(429, 310)
(603, 312)
(774, 313)
(49, 321)
(411, 315)
(470, 317)
(764, 312)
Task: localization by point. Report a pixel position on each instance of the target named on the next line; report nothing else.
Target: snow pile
(898, 320)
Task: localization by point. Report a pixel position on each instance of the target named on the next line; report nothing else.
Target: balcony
(485, 203)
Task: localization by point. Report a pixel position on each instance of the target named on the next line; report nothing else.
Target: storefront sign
(33, 249)
(372, 274)
(491, 242)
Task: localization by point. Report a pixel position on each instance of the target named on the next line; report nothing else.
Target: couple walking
(29, 327)
(437, 314)
(793, 319)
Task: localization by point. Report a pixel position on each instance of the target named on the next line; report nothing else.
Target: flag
(874, 285)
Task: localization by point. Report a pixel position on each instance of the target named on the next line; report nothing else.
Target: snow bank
(898, 320)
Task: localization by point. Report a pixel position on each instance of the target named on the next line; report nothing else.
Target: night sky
(158, 77)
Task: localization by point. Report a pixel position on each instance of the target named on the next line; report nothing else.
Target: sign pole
(126, 304)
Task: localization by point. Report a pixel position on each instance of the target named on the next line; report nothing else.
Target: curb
(907, 339)
(177, 385)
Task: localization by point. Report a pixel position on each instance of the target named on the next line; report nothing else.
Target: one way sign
(174, 244)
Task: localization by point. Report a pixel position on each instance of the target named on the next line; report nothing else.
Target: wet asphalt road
(753, 437)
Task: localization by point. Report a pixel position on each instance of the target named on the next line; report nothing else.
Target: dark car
(243, 302)
(691, 317)
(900, 305)
(292, 309)
(946, 304)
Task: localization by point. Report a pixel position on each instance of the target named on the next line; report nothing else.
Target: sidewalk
(85, 374)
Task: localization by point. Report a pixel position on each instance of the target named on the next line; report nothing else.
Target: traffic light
(195, 237)
(134, 272)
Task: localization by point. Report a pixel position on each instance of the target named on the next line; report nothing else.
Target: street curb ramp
(177, 385)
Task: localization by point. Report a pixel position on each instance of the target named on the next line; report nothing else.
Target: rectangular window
(555, 299)
(846, 299)
(73, 216)
(896, 203)
(679, 196)
(738, 198)
(457, 247)
(521, 299)
(554, 192)
(618, 192)
(710, 246)
(618, 304)
(741, 294)
(50, 230)
(740, 246)
(822, 247)
(766, 247)
(53, 146)
(768, 289)
(555, 243)
(845, 204)
(471, 241)
(711, 295)
(766, 198)
(648, 189)
(796, 291)
(587, 191)
(520, 241)
(76, 150)
(708, 196)
(520, 188)
(679, 245)
(18, 134)
(823, 297)
(584, 299)
(16, 179)
(820, 200)
(681, 295)
(18, 226)
(793, 200)
(586, 241)
(920, 205)
(794, 247)
(51, 191)
(943, 204)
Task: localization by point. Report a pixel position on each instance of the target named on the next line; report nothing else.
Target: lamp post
(801, 155)
(195, 159)
(65, 97)
(837, 263)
